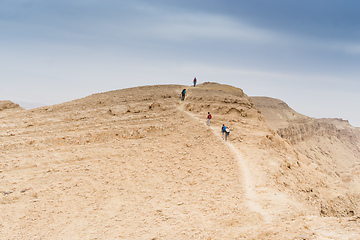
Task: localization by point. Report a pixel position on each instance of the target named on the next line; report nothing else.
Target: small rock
(24, 190)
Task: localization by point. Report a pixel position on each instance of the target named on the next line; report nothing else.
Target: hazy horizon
(305, 53)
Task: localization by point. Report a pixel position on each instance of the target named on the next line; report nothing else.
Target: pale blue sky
(306, 52)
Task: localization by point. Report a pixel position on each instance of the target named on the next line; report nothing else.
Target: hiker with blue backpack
(225, 131)
(183, 93)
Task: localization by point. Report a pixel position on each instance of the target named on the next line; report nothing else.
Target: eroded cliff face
(305, 130)
(330, 145)
(296, 127)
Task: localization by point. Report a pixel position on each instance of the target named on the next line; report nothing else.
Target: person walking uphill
(208, 119)
(223, 130)
(183, 93)
(227, 132)
(195, 81)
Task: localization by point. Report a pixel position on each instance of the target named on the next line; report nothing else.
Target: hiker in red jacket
(195, 81)
(208, 119)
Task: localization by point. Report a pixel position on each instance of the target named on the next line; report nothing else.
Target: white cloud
(168, 24)
(190, 27)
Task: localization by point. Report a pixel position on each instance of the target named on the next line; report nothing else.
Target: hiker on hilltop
(183, 93)
(208, 119)
(195, 81)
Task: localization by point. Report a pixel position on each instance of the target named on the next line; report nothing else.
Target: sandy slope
(140, 164)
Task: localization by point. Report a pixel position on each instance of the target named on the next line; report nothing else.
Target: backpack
(209, 117)
(227, 130)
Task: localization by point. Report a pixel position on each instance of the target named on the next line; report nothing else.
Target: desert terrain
(139, 163)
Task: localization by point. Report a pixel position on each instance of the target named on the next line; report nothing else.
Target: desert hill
(141, 164)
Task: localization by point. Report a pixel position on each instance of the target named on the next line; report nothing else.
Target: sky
(306, 53)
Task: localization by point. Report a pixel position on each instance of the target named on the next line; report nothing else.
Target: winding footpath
(251, 195)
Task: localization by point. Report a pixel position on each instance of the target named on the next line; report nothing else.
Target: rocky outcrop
(8, 105)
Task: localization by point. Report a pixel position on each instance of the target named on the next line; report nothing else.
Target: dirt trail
(251, 195)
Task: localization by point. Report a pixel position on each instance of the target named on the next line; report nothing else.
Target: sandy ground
(141, 164)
